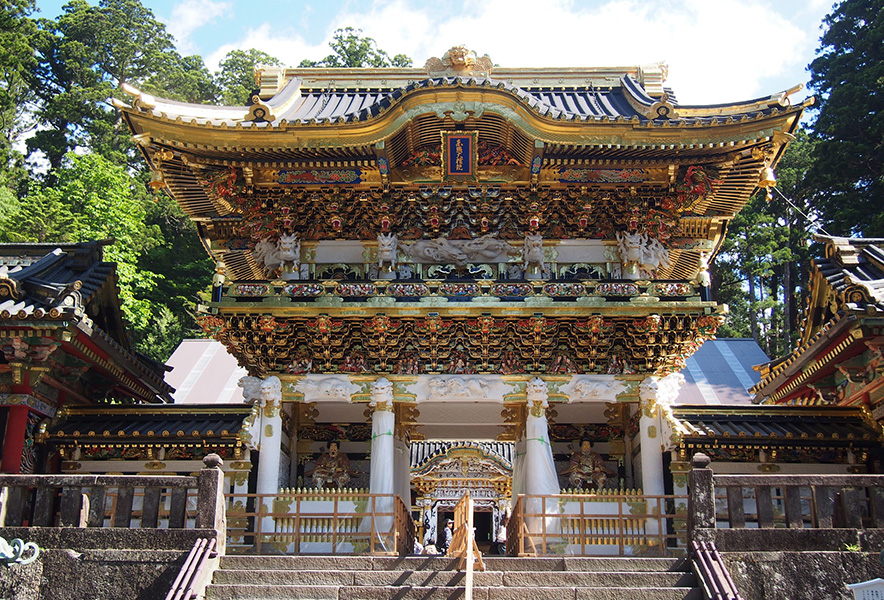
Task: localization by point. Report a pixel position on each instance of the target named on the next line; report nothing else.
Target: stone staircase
(435, 578)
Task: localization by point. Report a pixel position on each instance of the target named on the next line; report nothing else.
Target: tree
(94, 199)
(763, 267)
(16, 62)
(848, 74)
(351, 49)
(84, 57)
(236, 79)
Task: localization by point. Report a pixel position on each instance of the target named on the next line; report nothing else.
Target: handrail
(68, 501)
(713, 573)
(463, 542)
(405, 528)
(183, 588)
(591, 524)
(381, 523)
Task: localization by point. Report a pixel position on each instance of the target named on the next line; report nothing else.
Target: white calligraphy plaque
(868, 590)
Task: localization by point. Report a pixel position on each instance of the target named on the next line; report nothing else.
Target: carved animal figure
(387, 249)
(532, 252)
(487, 248)
(284, 254)
(251, 388)
(330, 387)
(641, 254)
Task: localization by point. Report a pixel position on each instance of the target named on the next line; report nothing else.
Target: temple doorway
(442, 471)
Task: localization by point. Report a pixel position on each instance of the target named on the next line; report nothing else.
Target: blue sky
(716, 50)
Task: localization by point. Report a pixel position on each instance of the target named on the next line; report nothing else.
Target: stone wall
(792, 575)
(98, 564)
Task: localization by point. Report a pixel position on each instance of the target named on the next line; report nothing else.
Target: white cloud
(721, 51)
(289, 47)
(190, 15)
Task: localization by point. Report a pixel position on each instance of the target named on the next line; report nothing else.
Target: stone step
(272, 592)
(637, 579)
(353, 578)
(422, 563)
(586, 564)
(337, 563)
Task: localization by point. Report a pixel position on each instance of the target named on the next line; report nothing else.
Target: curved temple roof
(301, 103)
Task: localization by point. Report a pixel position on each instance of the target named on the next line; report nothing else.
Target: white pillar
(539, 475)
(657, 395)
(382, 475)
(270, 436)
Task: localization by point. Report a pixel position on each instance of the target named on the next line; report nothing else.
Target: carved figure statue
(532, 252)
(251, 389)
(331, 468)
(330, 387)
(640, 255)
(387, 248)
(537, 392)
(381, 392)
(271, 390)
(587, 468)
(284, 255)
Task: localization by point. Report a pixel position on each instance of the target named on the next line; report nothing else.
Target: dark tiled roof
(146, 424)
(779, 424)
(341, 105)
(40, 279)
(854, 267)
(424, 452)
(59, 282)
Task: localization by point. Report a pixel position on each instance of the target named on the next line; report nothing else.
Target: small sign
(460, 155)
(868, 590)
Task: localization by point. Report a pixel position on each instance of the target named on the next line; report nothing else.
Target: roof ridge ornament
(459, 61)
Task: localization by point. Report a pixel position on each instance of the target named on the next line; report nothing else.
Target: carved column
(657, 395)
(270, 436)
(382, 476)
(540, 470)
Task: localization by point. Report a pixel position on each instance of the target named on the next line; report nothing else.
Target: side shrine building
(419, 266)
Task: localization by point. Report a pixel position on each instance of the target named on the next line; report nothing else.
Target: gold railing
(597, 525)
(319, 522)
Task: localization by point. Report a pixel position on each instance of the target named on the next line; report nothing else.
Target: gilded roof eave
(616, 131)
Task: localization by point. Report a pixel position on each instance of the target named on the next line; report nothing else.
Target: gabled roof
(300, 103)
(785, 425)
(145, 424)
(70, 286)
(846, 294)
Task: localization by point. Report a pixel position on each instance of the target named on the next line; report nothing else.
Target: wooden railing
(800, 501)
(319, 522)
(125, 501)
(597, 525)
(784, 501)
(463, 542)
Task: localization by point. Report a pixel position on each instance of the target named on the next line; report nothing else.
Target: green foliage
(848, 74)
(351, 49)
(16, 63)
(236, 79)
(763, 267)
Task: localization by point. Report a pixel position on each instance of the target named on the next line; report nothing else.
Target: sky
(717, 51)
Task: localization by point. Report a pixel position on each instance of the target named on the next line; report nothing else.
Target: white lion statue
(641, 255)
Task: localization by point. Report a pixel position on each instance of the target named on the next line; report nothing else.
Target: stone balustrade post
(701, 495)
(211, 510)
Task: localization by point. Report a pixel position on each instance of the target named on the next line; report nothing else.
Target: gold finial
(459, 60)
